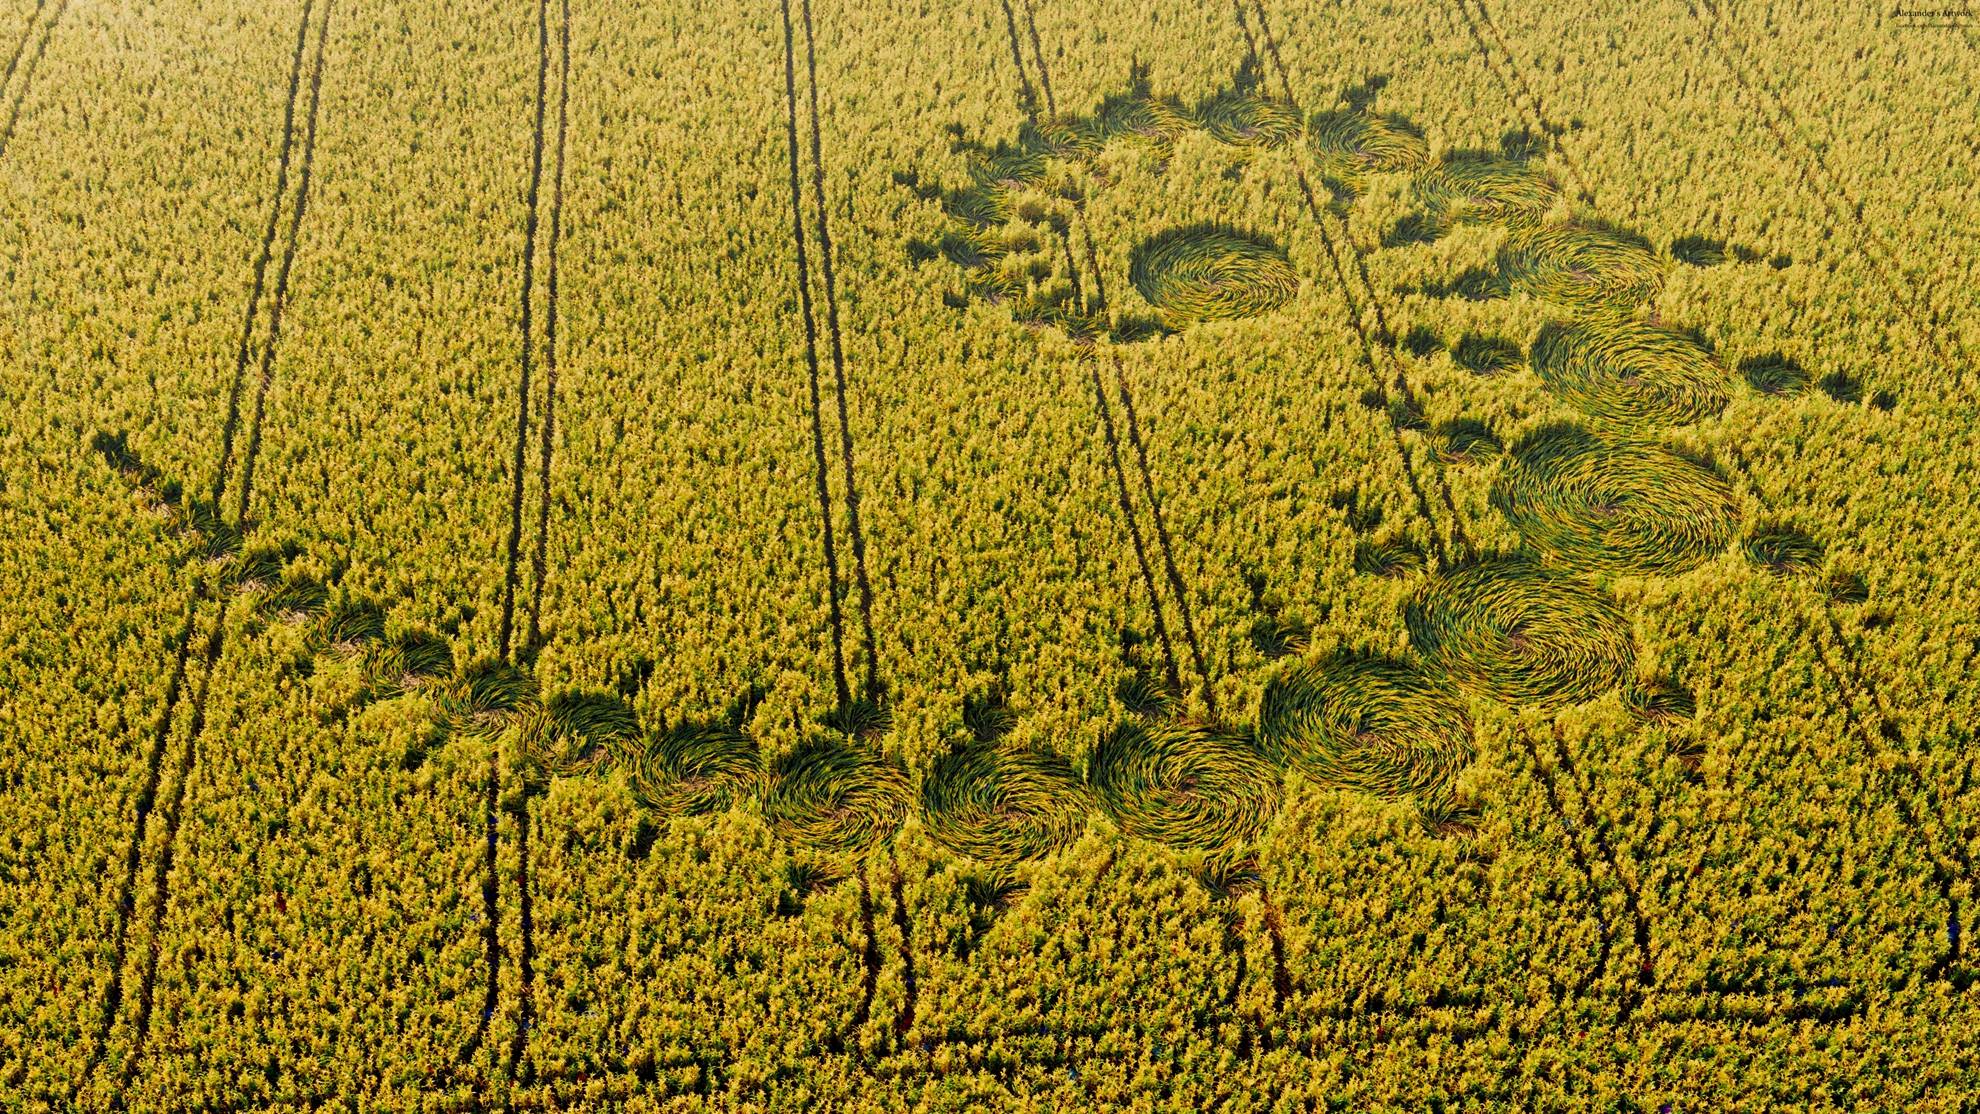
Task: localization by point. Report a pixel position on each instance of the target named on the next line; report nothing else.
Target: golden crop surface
(786, 555)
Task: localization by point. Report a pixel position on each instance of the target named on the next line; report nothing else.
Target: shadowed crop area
(1013, 555)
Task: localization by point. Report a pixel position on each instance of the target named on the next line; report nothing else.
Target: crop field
(1016, 555)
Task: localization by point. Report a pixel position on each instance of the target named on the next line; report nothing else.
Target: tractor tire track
(1590, 886)
(1027, 94)
(1525, 102)
(1176, 586)
(538, 564)
(903, 924)
(526, 359)
(854, 532)
(539, 557)
(1640, 925)
(1113, 443)
(8, 91)
(1044, 74)
(1452, 544)
(820, 468)
(214, 647)
(258, 284)
(1819, 180)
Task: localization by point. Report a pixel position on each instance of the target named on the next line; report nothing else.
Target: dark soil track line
(851, 494)
(172, 812)
(17, 92)
(1850, 685)
(491, 914)
(161, 873)
(1113, 443)
(870, 959)
(1027, 95)
(1818, 179)
(526, 360)
(1646, 965)
(539, 557)
(113, 994)
(280, 298)
(1453, 547)
(904, 1021)
(1176, 586)
(1530, 106)
(837, 611)
(1038, 52)
(1282, 984)
(258, 284)
(1567, 828)
(525, 947)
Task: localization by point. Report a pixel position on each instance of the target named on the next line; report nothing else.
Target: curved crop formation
(692, 770)
(1241, 119)
(1003, 807)
(1369, 724)
(1184, 784)
(485, 697)
(1473, 189)
(1582, 266)
(1613, 506)
(1621, 370)
(1206, 273)
(1783, 550)
(1357, 141)
(1505, 630)
(834, 796)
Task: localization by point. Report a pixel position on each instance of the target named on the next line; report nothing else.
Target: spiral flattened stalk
(1204, 273)
(1003, 806)
(1368, 724)
(1581, 266)
(1628, 372)
(1352, 141)
(1613, 506)
(693, 769)
(1183, 784)
(1471, 190)
(834, 795)
(1241, 119)
(1505, 630)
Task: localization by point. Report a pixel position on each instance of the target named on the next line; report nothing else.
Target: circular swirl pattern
(1003, 807)
(1504, 630)
(1621, 370)
(1613, 506)
(485, 697)
(693, 769)
(1183, 784)
(1359, 141)
(1206, 273)
(1248, 120)
(1581, 266)
(1464, 189)
(834, 796)
(1367, 724)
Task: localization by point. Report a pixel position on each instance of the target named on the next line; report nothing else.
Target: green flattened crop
(1473, 189)
(1613, 506)
(692, 769)
(1506, 630)
(1242, 119)
(833, 795)
(1581, 266)
(1351, 141)
(485, 697)
(1186, 785)
(1003, 806)
(1620, 370)
(1206, 273)
(1367, 724)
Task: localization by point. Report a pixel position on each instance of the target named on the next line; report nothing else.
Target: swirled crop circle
(1613, 506)
(1003, 807)
(1205, 273)
(1369, 724)
(1506, 630)
(1183, 784)
(1621, 370)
